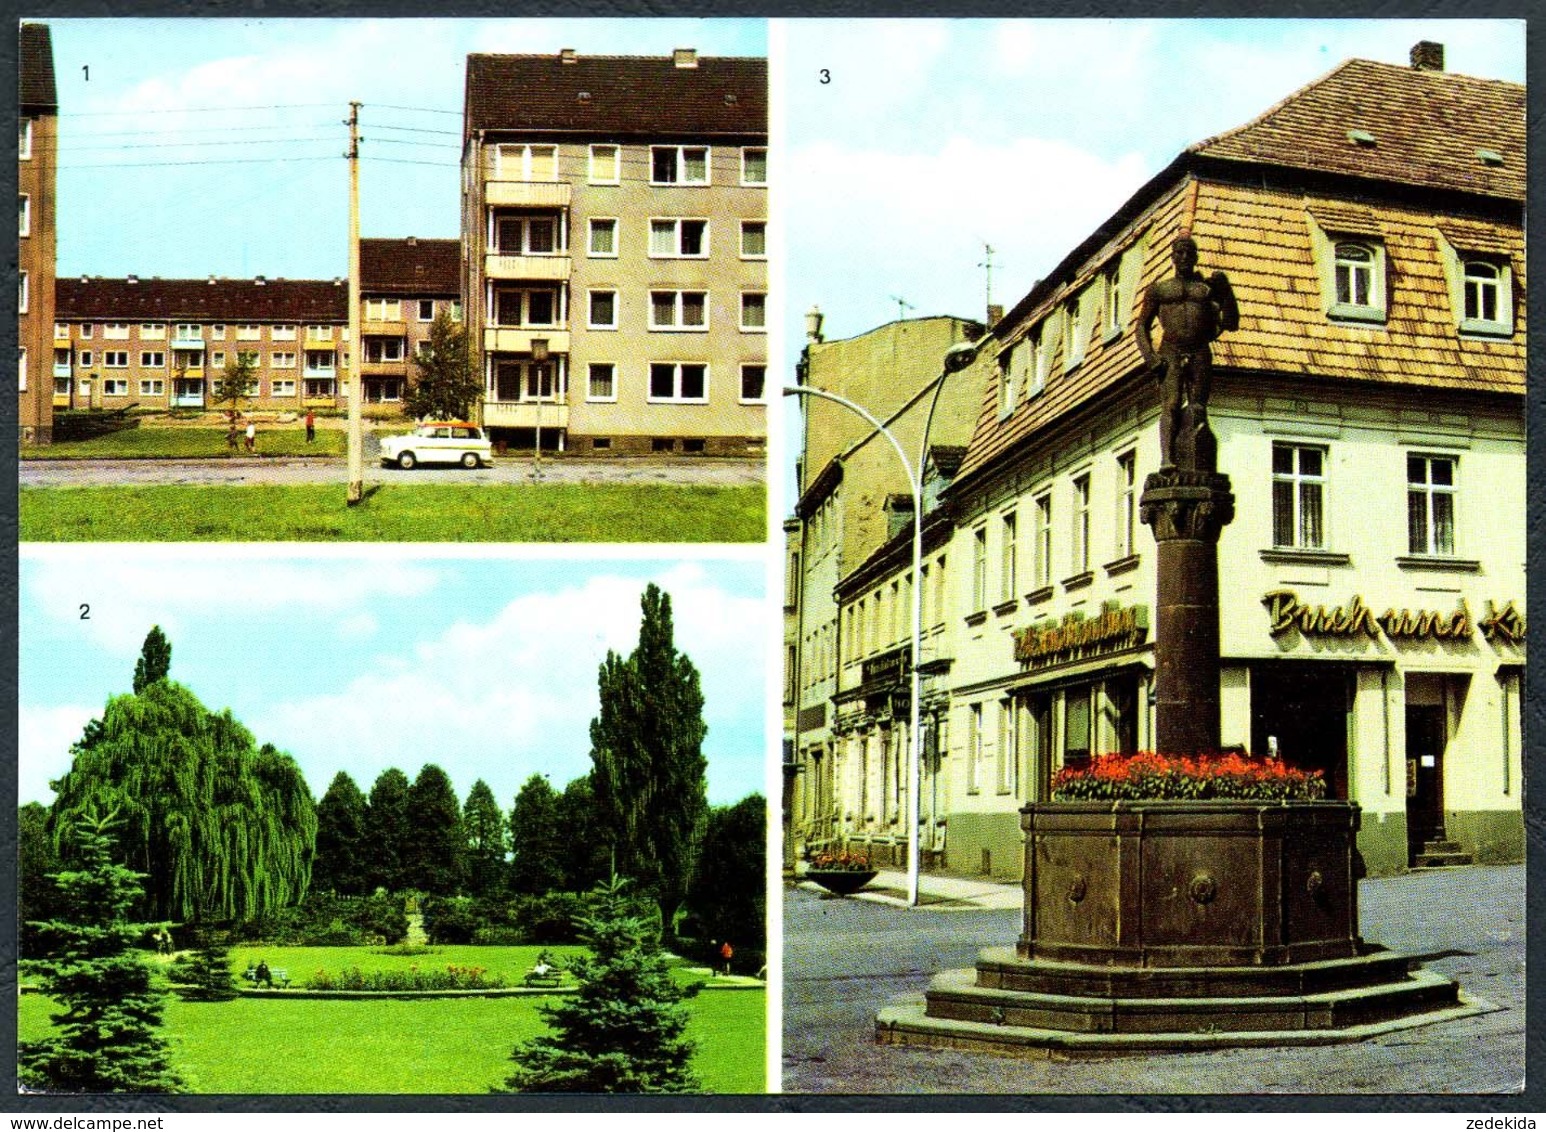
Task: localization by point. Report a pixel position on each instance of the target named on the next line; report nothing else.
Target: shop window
(1076, 727)
(1430, 504)
(1298, 496)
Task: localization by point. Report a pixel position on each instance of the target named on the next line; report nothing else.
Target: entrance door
(1305, 708)
(1425, 734)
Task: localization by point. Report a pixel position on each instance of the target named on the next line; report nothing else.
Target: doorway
(1425, 741)
(1304, 708)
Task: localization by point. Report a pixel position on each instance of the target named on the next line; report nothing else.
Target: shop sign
(1286, 612)
(886, 666)
(1077, 636)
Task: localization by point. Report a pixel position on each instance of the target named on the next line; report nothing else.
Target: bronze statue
(1192, 311)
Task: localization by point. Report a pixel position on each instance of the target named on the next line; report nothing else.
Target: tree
(106, 1038)
(447, 386)
(221, 828)
(239, 375)
(155, 659)
(585, 856)
(727, 896)
(537, 847)
(484, 827)
(434, 861)
(344, 849)
(36, 898)
(209, 968)
(647, 756)
(623, 1030)
(387, 829)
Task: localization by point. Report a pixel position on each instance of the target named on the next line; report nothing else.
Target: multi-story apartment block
(165, 343)
(37, 151)
(1369, 411)
(404, 285)
(614, 221)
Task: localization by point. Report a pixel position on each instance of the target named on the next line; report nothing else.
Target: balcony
(514, 340)
(387, 327)
(527, 266)
(62, 370)
(318, 371)
(527, 194)
(385, 368)
(524, 414)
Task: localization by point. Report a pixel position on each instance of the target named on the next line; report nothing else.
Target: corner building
(37, 164)
(614, 220)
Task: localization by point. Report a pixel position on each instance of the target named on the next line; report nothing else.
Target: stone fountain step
(1431, 858)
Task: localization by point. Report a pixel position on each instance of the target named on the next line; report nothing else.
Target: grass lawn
(395, 513)
(188, 443)
(511, 963)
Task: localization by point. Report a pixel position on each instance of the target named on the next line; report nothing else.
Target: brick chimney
(995, 313)
(566, 55)
(685, 57)
(1427, 56)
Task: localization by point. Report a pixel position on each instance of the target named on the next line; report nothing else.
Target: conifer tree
(537, 848)
(343, 845)
(484, 827)
(623, 1030)
(388, 831)
(155, 659)
(106, 1037)
(447, 385)
(434, 861)
(209, 967)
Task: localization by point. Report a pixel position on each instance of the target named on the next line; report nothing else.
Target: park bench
(553, 977)
(279, 976)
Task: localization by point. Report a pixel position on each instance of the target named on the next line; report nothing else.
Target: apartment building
(165, 343)
(1369, 412)
(37, 154)
(404, 285)
(614, 218)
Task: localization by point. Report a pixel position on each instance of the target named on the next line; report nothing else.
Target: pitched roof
(1427, 128)
(200, 300)
(38, 93)
(411, 266)
(617, 95)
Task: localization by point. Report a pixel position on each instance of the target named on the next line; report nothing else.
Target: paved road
(715, 472)
(844, 959)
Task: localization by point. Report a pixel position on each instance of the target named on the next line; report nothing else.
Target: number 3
(826, 76)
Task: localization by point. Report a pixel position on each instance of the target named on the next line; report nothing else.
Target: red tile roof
(410, 266)
(616, 95)
(37, 91)
(200, 300)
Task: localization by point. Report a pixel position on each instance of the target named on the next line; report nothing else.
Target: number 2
(85, 612)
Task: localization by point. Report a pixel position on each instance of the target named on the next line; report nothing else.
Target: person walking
(725, 954)
(252, 436)
(311, 426)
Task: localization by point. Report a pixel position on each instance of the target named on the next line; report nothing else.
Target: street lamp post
(539, 361)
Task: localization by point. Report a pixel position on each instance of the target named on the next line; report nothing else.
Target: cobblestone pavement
(844, 959)
(681, 471)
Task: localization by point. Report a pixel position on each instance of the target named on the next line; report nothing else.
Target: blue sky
(360, 661)
(144, 92)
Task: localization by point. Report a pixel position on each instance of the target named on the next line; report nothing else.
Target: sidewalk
(936, 893)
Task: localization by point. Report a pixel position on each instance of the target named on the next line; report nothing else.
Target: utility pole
(902, 307)
(988, 264)
(355, 346)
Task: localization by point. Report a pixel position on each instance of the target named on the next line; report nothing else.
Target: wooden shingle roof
(201, 300)
(37, 92)
(617, 95)
(410, 266)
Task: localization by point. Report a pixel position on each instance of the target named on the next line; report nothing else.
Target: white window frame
(762, 400)
(83, 359)
(383, 310)
(24, 214)
(381, 348)
(1042, 508)
(590, 308)
(1115, 316)
(1424, 494)
(598, 224)
(1081, 528)
(87, 329)
(523, 222)
(152, 332)
(590, 383)
(281, 387)
(1009, 557)
(188, 332)
(23, 291)
(748, 225)
(677, 397)
(282, 359)
(749, 149)
(1502, 287)
(115, 387)
(974, 749)
(217, 359)
(249, 332)
(321, 371)
(423, 305)
(503, 153)
(1328, 247)
(24, 139)
(115, 359)
(1127, 503)
(661, 225)
(21, 368)
(1305, 491)
(1008, 754)
(979, 567)
(318, 332)
(152, 387)
(1073, 344)
(617, 164)
(677, 325)
(758, 299)
(503, 294)
(217, 332)
(679, 164)
(152, 359)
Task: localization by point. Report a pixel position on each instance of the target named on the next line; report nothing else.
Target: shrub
(1150, 776)
(451, 919)
(452, 977)
(326, 920)
(550, 918)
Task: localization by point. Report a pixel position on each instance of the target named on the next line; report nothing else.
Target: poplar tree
(484, 827)
(647, 755)
(343, 844)
(106, 1038)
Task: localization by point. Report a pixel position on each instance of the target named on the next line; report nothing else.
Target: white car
(438, 442)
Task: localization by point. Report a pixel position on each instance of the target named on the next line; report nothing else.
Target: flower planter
(841, 882)
(1185, 884)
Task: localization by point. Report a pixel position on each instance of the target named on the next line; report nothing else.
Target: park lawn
(188, 443)
(510, 963)
(264, 1046)
(395, 513)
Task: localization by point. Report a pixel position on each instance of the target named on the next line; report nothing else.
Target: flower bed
(452, 978)
(1155, 777)
(840, 862)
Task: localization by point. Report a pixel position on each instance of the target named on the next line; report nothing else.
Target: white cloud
(43, 740)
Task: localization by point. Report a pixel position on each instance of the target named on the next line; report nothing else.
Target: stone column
(1186, 510)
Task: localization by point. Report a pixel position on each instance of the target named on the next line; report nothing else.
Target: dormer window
(1354, 274)
(1482, 284)
(1479, 270)
(1350, 259)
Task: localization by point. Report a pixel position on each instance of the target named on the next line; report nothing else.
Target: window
(974, 748)
(1076, 726)
(754, 165)
(86, 329)
(217, 359)
(189, 332)
(979, 568)
(1081, 524)
(23, 214)
(1127, 509)
(1354, 267)
(1043, 505)
(603, 238)
(1073, 341)
(21, 368)
(1036, 364)
(526, 163)
(1008, 551)
(319, 361)
(115, 387)
(282, 387)
(526, 235)
(381, 350)
(282, 334)
(284, 359)
(1112, 303)
(605, 166)
(754, 380)
(152, 387)
(247, 332)
(426, 310)
(939, 589)
(115, 359)
(62, 360)
(318, 333)
(679, 310)
(601, 383)
(456, 310)
(1352, 276)
(155, 331)
(679, 381)
(754, 310)
(754, 239)
(679, 165)
(1430, 504)
(679, 239)
(24, 140)
(603, 310)
(1298, 496)
(84, 358)
(152, 359)
(1487, 297)
(318, 387)
(382, 310)
(21, 292)
(1008, 747)
(217, 332)
(526, 308)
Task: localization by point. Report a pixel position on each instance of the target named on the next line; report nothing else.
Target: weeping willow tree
(221, 828)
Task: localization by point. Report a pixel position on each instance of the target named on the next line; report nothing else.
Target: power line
(416, 109)
(414, 129)
(198, 110)
(165, 164)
